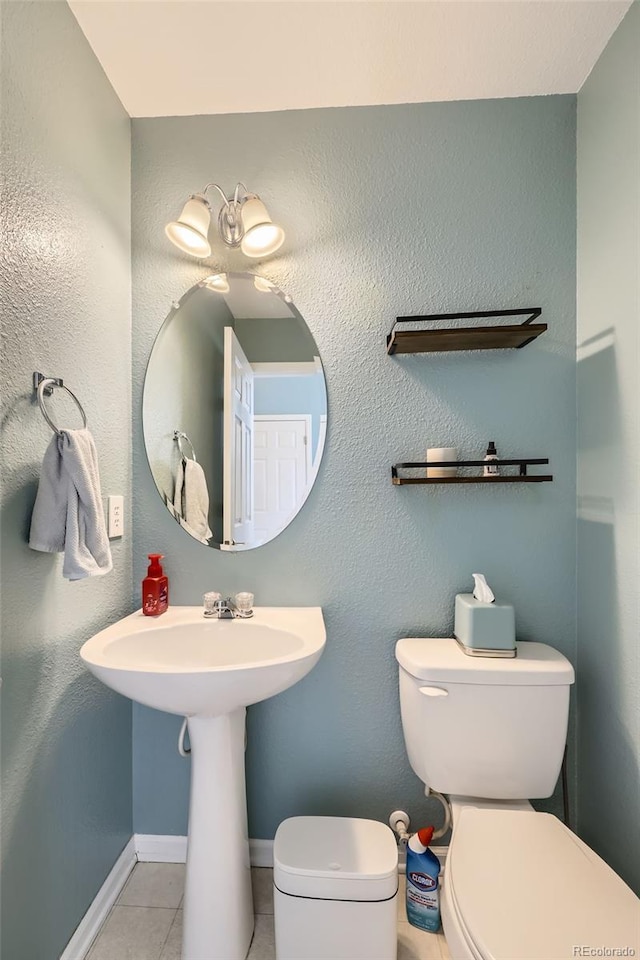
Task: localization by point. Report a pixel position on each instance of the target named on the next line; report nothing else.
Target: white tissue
(481, 590)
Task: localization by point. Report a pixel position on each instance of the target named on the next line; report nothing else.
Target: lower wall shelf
(401, 481)
(521, 477)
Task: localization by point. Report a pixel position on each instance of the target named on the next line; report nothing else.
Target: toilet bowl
(518, 885)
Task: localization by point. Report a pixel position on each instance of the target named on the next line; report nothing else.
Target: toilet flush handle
(434, 691)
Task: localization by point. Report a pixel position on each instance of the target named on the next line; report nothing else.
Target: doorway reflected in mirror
(234, 411)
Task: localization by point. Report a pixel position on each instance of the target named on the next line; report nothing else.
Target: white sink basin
(186, 664)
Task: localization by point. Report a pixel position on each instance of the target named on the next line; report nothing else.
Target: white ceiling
(185, 57)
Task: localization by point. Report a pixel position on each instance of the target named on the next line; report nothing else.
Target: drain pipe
(565, 791)
(186, 751)
(182, 750)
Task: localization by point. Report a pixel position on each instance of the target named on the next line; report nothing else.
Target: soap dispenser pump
(155, 588)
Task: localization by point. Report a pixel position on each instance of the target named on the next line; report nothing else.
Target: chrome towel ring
(179, 436)
(44, 387)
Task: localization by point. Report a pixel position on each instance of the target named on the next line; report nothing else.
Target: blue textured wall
(609, 453)
(388, 210)
(66, 739)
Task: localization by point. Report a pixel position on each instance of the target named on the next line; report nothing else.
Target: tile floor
(146, 921)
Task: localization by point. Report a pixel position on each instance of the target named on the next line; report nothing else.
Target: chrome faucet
(222, 609)
(228, 609)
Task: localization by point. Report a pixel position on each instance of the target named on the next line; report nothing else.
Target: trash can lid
(335, 858)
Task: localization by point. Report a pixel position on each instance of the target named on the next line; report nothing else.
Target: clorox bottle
(423, 869)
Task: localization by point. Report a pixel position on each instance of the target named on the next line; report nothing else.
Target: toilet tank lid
(440, 659)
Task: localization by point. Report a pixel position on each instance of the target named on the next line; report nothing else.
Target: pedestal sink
(209, 671)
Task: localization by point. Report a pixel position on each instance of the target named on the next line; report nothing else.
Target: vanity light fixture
(218, 282)
(263, 285)
(243, 221)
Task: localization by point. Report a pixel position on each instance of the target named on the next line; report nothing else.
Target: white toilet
(490, 733)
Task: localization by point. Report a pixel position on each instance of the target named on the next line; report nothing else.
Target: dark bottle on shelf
(491, 470)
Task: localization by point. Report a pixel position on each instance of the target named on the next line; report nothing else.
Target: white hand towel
(68, 515)
(191, 499)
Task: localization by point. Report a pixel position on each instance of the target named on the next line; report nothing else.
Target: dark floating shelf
(494, 337)
(521, 477)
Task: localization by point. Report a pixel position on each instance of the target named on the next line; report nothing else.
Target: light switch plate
(115, 522)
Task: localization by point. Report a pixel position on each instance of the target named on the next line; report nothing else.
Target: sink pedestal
(218, 904)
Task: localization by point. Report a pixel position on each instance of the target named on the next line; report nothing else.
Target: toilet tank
(484, 727)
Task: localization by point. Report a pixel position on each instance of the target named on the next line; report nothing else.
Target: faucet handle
(244, 604)
(211, 601)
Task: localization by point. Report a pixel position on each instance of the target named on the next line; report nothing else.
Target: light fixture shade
(262, 236)
(189, 232)
(217, 282)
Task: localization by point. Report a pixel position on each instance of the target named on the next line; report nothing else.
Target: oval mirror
(234, 411)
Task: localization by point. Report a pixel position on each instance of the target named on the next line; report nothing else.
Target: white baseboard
(153, 848)
(89, 926)
(261, 853)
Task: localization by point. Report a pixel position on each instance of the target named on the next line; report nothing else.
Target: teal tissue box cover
(484, 626)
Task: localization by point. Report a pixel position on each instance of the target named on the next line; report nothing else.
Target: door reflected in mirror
(234, 411)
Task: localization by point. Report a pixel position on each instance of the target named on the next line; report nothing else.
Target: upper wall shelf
(521, 477)
(494, 337)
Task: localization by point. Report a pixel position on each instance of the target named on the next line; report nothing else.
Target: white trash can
(335, 889)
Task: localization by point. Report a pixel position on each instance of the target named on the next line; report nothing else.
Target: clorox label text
(422, 881)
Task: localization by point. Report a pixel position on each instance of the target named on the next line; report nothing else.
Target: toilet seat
(519, 884)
